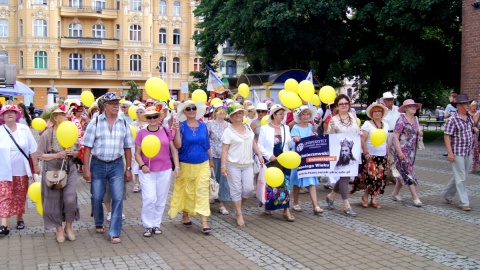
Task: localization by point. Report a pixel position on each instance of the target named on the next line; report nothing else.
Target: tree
(133, 92)
(412, 46)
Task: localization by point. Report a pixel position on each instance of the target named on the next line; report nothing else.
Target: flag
(214, 83)
(255, 98)
(310, 76)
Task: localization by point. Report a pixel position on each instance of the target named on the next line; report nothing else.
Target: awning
(18, 89)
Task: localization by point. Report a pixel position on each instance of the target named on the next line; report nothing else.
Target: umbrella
(18, 89)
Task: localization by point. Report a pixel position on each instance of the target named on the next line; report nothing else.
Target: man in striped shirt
(107, 139)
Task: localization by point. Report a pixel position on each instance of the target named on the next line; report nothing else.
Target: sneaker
(109, 216)
(136, 188)
(148, 232)
(156, 230)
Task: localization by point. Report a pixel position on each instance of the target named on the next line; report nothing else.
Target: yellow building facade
(98, 45)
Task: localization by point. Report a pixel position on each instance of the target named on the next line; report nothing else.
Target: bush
(431, 135)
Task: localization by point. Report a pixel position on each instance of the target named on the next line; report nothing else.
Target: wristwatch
(129, 168)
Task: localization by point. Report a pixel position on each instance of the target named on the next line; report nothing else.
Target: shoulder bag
(420, 145)
(57, 179)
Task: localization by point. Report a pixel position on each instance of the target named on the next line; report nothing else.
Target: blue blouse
(195, 143)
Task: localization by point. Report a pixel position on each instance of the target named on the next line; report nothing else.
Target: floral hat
(299, 110)
(10, 108)
(234, 107)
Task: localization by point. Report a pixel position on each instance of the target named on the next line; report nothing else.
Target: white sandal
(297, 208)
(222, 210)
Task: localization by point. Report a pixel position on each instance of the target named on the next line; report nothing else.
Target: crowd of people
(227, 141)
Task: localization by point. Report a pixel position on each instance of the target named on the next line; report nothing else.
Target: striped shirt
(461, 134)
(105, 144)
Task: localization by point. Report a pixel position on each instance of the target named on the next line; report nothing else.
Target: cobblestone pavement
(397, 236)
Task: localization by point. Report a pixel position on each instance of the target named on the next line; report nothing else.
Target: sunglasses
(194, 108)
(261, 111)
(152, 117)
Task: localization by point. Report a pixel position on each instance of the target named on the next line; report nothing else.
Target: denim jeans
(112, 174)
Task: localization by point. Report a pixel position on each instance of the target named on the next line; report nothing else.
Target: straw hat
(261, 107)
(373, 105)
(201, 108)
(252, 108)
(298, 111)
(10, 108)
(234, 108)
(274, 109)
(408, 102)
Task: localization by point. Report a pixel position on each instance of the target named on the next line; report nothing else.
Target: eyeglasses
(194, 108)
(113, 103)
(152, 117)
(343, 104)
(261, 111)
(377, 111)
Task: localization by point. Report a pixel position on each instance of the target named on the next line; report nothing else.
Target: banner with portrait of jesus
(329, 155)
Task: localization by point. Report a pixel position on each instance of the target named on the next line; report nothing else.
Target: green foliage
(133, 93)
(432, 135)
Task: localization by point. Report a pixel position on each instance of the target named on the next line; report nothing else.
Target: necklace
(275, 126)
(153, 130)
(345, 122)
(381, 124)
(193, 129)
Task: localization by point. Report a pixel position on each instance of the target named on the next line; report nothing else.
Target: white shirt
(380, 150)
(392, 117)
(240, 151)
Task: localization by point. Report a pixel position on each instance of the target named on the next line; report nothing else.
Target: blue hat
(110, 96)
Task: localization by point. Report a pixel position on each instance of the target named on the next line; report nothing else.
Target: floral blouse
(215, 132)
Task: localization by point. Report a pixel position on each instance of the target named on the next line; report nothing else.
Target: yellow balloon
(150, 146)
(199, 95)
(291, 85)
(35, 192)
(291, 100)
(157, 89)
(243, 90)
(134, 132)
(170, 104)
(67, 134)
(359, 122)
(122, 100)
(39, 208)
(245, 120)
(87, 98)
(306, 90)
(274, 177)
(215, 101)
(316, 100)
(378, 137)
(39, 124)
(289, 159)
(263, 122)
(327, 94)
(132, 112)
(280, 94)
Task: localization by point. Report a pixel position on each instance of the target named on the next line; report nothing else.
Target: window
(176, 65)
(231, 68)
(21, 60)
(135, 32)
(117, 31)
(40, 2)
(195, 33)
(349, 92)
(75, 3)
(135, 62)
(98, 4)
(117, 59)
(197, 62)
(74, 91)
(162, 36)
(162, 65)
(99, 62)
(75, 30)
(163, 8)
(98, 31)
(3, 2)
(176, 37)
(40, 28)
(20, 27)
(75, 61)
(4, 54)
(40, 60)
(3, 28)
(136, 5)
(176, 8)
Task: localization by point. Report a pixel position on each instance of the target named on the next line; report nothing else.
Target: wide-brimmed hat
(388, 95)
(10, 108)
(262, 107)
(234, 108)
(409, 102)
(299, 110)
(91, 108)
(462, 98)
(152, 110)
(150, 100)
(252, 108)
(201, 108)
(110, 96)
(373, 105)
(126, 103)
(274, 109)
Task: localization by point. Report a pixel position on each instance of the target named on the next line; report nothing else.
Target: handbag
(420, 145)
(57, 179)
(261, 190)
(256, 168)
(29, 158)
(214, 186)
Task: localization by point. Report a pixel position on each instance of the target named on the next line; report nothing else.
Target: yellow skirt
(192, 190)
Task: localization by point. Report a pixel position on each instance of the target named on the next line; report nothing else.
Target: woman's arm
(396, 144)
(256, 150)
(176, 162)
(223, 163)
(364, 143)
(177, 141)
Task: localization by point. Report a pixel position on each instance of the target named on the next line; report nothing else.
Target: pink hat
(409, 102)
(10, 108)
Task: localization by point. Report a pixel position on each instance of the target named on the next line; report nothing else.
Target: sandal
(20, 225)
(136, 188)
(240, 223)
(329, 204)
(100, 229)
(317, 210)
(115, 240)
(222, 210)
(364, 203)
(156, 230)
(206, 230)
(148, 232)
(297, 208)
(268, 212)
(288, 218)
(4, 230)
(350, 212)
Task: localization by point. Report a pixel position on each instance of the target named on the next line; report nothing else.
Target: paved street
(397, 236)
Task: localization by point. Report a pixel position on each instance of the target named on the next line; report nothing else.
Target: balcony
(37, 73)
(87, 42)
(88, 12)
(232, 51)
(88, 74)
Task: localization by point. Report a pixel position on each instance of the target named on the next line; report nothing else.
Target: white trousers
(240, 181)
(155, 186)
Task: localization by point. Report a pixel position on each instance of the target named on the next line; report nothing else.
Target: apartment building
(98, 45)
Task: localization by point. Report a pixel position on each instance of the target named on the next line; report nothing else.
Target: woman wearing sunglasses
(191, 192)
(155, 173)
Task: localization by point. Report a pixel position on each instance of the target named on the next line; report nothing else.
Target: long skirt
(373, 175)
(192, 190)
(13, 195)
